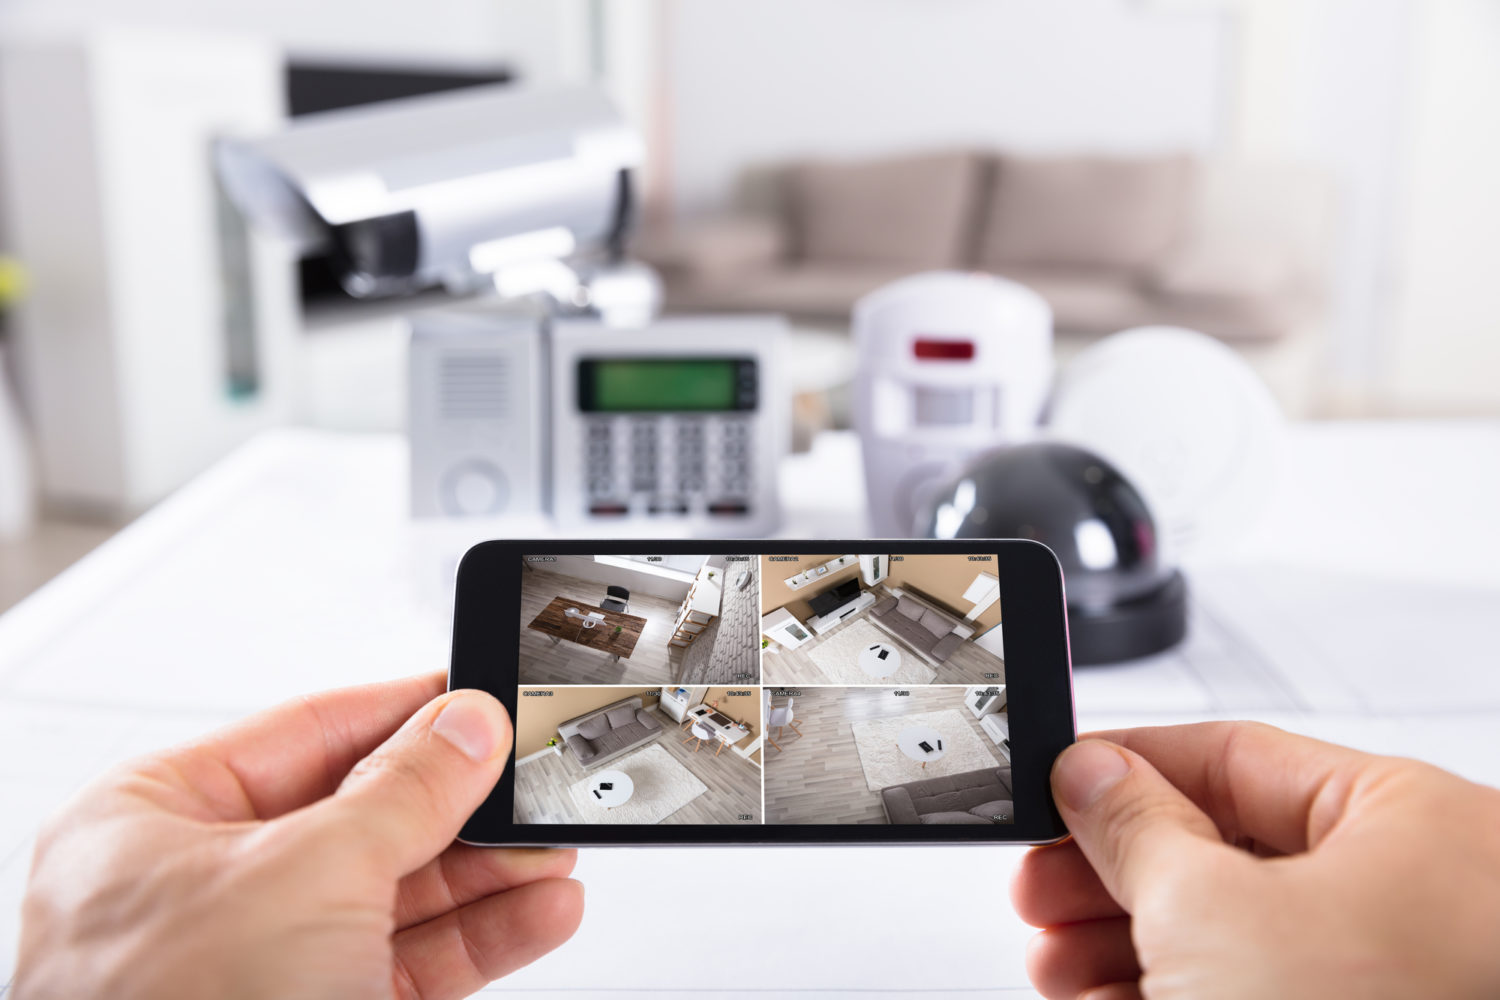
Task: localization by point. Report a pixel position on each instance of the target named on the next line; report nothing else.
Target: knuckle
(405, 775)
(403, 981)
(1130, 815)
(1132, 819)
(389, 765)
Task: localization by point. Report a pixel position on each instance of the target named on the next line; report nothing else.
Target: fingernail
(1085, 771)
(469, 726)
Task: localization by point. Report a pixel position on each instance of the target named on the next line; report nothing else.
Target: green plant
(619, 629)
(552, 742)
(764, 643)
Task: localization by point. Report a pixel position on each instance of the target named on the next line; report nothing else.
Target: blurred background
(1311, 183)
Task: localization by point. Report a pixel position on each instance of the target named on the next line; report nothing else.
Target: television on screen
(834, 598)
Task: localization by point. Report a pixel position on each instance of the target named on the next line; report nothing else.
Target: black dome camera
(1123, 603)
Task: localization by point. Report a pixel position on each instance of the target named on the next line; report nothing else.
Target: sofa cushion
(885, 607)
(909, 630)
(936, 622)
(946, 646)
(1230, 273)
(990, 810)
(581, 747)
(621, 738)
(1077, 211)
(727, 246)
(1086, 300)
(910, 607)
(913, 210)
(959, 792)
(971, 793)
(954, 818)
(622, 716)
(898, 805)
(593, 727)
(648, 720)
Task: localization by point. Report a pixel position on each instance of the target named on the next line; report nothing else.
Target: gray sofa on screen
(608, 732)
(973, 797)
(933, 633)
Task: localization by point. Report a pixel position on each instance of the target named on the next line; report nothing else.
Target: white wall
(1392, 100)
(585, 568)
(1395, 100)
(761, 81)
(1325, 83)
(354, 378)
(121, 341)
(1442, 349)
(542, 39)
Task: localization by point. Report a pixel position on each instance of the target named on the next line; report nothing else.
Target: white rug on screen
(662, 786)
(838, 657)
(885, 764)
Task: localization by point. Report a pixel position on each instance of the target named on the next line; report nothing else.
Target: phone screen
(761, 689)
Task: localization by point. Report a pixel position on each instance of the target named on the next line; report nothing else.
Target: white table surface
(908, 738)
(1363, 610)
(620, 794)
(871, 663)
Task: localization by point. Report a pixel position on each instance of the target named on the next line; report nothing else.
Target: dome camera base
(1149, 624)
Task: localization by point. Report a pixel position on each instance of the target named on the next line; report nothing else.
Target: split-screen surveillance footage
(762, 689)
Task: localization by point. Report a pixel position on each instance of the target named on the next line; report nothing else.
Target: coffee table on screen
(871, 663)
(909, 740)
(623, 788)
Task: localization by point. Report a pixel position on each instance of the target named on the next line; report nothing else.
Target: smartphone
(734, 694)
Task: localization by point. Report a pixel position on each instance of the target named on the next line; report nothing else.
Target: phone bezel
(1039, 697)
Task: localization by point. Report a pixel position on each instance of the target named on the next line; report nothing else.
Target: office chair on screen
(616, 599)
(701, 733)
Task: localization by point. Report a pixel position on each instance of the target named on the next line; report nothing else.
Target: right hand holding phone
(1238, 860)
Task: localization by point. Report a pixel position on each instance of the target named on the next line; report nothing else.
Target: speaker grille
(474, 387)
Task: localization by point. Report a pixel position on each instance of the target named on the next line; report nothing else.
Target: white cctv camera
(459, 190)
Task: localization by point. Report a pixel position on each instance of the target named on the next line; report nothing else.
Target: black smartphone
(780, 666)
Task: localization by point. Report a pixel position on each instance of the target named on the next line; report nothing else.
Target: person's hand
(1237, 860)
(306, 852)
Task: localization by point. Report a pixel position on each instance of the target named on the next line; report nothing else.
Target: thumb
(1134, 827)
(403, 804)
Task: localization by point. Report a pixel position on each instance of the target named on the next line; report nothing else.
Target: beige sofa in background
(1236, 250)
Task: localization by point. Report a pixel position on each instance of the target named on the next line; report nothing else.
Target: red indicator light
(932, 349)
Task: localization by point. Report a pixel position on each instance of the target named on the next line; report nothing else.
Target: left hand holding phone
(307, 850)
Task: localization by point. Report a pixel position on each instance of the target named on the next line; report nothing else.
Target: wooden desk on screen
(555, 622)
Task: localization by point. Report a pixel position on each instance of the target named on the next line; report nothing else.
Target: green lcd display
(666, 385)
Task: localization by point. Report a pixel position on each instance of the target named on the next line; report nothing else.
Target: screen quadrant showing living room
(933, 755)
(910, 619)
(638, 756)
(649, 619)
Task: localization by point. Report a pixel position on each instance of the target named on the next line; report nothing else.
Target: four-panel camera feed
(761, 688)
